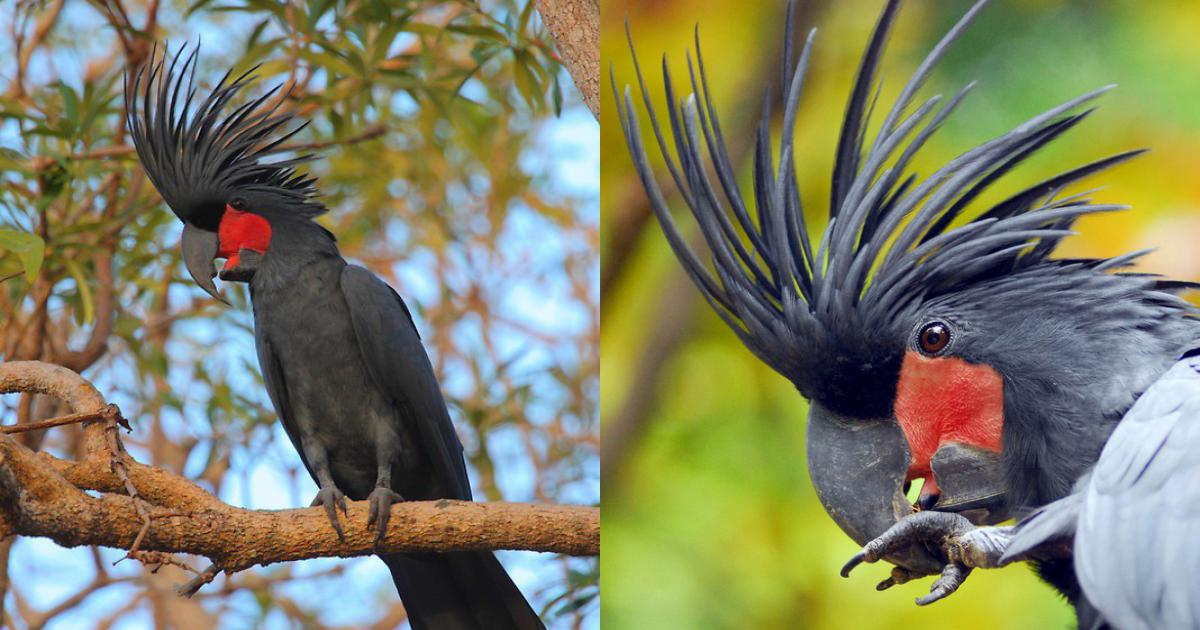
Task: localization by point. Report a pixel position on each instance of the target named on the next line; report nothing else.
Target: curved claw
(920, 527)
(854, 561)
(381, 501)
(332, 498)
(952, 577)
(899, 575)
(949, 532)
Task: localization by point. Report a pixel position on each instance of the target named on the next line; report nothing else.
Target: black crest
(199, 157)
(890, 244)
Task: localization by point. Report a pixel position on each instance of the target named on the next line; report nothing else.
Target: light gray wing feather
(1049, 523)
(1136, 552)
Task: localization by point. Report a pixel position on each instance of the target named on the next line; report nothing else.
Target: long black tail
(459, 591)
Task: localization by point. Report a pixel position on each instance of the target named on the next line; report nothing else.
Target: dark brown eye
(238, 203)
(933, 338)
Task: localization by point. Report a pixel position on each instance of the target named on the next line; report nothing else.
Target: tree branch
(75, 418)
(57, 381)
(42, 495)
(576, 28)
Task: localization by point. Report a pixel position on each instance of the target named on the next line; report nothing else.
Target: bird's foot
(961, 545)
(381, 501)
(332, 498)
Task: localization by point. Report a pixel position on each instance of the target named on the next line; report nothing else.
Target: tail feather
(459, 591)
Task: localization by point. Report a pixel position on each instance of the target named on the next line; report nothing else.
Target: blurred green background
(709, 517)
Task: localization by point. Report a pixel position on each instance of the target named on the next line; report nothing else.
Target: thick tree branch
(576, 28)
(41, 495)
(53, 380)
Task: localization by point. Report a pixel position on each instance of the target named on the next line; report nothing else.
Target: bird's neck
(299, 252)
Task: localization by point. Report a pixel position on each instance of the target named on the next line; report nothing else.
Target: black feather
(889, 245)
(199, 157)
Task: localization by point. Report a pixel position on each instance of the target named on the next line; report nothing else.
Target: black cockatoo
(1127, 527)
(340, 355)
(936, 340)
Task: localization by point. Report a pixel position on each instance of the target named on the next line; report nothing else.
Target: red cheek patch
(947, 400)
(241, 230)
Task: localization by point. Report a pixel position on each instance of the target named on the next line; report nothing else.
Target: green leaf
(383, 41)
(70, 108)
(196, 7)
(526, 13)
(527, 80)
(557, 94)
(96, 101)
(421, 28)
(252, 41)
(573, 604)
(316, 10)
(476, 30)
(30, 248)
(85, 292)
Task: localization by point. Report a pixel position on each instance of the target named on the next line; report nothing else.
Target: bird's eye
(933, 338)
(238, 203)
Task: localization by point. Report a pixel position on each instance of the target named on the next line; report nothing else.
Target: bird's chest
(331, 396)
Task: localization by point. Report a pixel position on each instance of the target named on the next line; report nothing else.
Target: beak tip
(199, 249)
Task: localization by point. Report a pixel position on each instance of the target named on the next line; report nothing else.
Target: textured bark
(576, 28)
(41, 495)
(53, 380)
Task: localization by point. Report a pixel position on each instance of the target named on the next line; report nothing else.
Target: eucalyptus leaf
(30, 248)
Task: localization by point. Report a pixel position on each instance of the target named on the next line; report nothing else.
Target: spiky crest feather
(199, 157)
(888, 247)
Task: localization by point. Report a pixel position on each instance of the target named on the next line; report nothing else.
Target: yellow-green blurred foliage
(709, 518)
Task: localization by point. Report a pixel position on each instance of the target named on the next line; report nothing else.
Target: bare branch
(54, 380)
(74, 418)
(41, 495)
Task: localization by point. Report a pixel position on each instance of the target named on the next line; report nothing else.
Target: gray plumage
(340, 354)
(1075, 341)
(1136, 517)
(357, 395)
(890, 244)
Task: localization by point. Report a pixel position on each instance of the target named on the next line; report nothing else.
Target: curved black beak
(971, 482)
(199, 250)
(859, 468)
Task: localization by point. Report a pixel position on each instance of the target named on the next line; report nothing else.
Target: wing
(272, 374)
(400, 367)
(1135, 550)
(1046, 525)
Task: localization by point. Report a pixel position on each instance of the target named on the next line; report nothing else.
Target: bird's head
(206, 158)
(936, 341)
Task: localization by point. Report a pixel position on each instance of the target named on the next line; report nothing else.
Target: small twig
(74, 418)
(155, 560)
(116, 463)
(135, 551)
(135, 548)
(193, 586)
